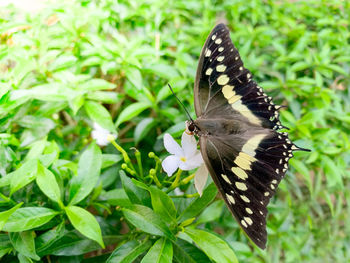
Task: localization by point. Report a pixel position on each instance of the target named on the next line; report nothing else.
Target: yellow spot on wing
(228, 92)
(230, 199)
(243, 109)
(243, 160)
(240, 173)
(226, 178)
(248, 220)
(241, 186)
(252, 144)
(220, 68)
(245, 199)
(208, 71)
(249, 211)
(223, 80)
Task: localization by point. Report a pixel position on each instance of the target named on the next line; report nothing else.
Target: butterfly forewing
(237, 124)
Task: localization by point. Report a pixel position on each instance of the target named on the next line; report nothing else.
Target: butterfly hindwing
(247, 169)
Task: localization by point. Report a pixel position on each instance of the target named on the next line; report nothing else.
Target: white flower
(186, 158)
(100, 135)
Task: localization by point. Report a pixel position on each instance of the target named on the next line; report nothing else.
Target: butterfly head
(191, 128)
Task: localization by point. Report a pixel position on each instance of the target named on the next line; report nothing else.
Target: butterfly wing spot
(248, 220)
(245, 199)
(244, 223)
(261, 213)
(252, 144)
(243, 109)
(266, 193)
(228, 92)
(277, 170)
(226, 178)
(249, 211)
(274, 181)
(220, 68)
(272, 187)
(221, 49)
(220, 58)
(244, 161)
(248, 76)
(241, 186)
(230, 198)
(236, 58)
(218, 41)
(239, 172)
(233, 99)
(240, 68)
(209, 71)
(208, 53)
(223, 80)
(213, 37)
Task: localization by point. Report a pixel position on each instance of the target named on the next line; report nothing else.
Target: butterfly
(238, 129)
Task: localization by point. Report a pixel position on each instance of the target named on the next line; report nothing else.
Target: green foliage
(75, 63)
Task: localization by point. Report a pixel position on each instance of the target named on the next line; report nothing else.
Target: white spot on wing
(244, 223)
(218, 41)
(249, 211)
(245, 199)
(209, 71)
(220, 68)
(213, 37)
(208, 53)
(220, 49)
(248, 220)
(221, 58)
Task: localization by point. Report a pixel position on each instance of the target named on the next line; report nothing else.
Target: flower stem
(153, 175)
(185, 195)
(122, 151)
(176, 181)
(139, 162)
(187, 179)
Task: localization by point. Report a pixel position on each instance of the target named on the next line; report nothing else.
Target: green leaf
(6, 214)
(100, 115)
(186, 252)
(110, 159)
(216, 248)
(199, 203)
(163, 70)
(134, 76)
(24, 175)
(160, 252)
(95, 85)
(85, 223)
(146, 220)
(28, 218)
(23, 242)
(47, 183)
(128, 252)
(135, 194)
(211, 213)
(162, 204)
(117, 197)
(143, 128)
(131, 111)
(88, 174)
(333, 173)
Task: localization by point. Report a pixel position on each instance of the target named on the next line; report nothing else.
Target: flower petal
(172, 146)
(170, 164)
(195, 161)
(200, 179)
(189, 145)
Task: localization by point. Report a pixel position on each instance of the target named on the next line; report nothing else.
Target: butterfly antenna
(188, 114)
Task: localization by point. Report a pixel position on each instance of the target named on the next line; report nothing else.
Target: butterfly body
(237, 125)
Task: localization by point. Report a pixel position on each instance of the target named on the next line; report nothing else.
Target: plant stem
(122, 151)
(176, 181)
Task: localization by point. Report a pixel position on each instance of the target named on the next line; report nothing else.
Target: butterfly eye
(190, 127)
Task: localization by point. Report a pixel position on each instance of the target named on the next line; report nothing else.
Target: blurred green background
(60, 64)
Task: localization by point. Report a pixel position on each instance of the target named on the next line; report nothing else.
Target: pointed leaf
(6, 214)
(47, 183)
(160, 252)
(216, 248)
(100, 115)
(128, 252)
(23, 242)
(88, 173)
(85, 223)
(131, 111)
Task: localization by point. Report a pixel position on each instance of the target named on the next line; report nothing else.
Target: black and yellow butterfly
(237, 126)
